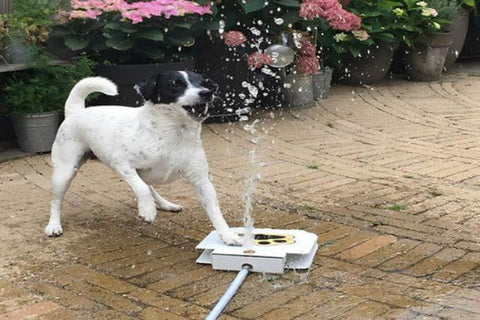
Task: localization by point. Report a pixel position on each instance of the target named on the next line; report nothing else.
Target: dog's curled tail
(76, 98)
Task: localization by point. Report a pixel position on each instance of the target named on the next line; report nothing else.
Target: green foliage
(378, 21)
(269, 17)
(415, 20)
(44, 88)
(29, 21)
(447, 9)
(112, 38)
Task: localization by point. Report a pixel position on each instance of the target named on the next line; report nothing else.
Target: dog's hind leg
(145, 200)
(164, 204)
(66, 161)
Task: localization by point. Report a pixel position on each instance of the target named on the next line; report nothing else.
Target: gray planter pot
(425, 61)
(321, 83)
(298, 90)
(458, 28)
(36, 132)
(368, 69)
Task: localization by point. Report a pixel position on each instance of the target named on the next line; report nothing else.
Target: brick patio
(387, 176)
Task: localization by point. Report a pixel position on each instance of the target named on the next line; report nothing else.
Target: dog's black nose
(206, 94)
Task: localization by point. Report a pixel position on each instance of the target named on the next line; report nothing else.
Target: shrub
(44, 88)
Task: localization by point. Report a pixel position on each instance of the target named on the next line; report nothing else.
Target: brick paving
(387, 176)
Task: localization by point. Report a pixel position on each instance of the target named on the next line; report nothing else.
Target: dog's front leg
(146, 203)
(197, 174)
(208, 198)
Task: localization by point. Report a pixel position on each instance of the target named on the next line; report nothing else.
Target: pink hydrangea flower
(234, 38)
(93, 14)
(307, 49)
(346, 22)
(307, 64)
(332, 11)
(258, 59)
(136, 11)
(78, 14)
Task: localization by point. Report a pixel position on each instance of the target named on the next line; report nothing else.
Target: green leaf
(207, 25)
(469, 3)
(112, 26)
(128, 28)
(181, 39)
(120, 43)
(125, 27)
(354, 51)
(91, 26)
(291, 16)
(76, 43)
(289, 3)
(151, 34)
(252, 5)
(154, 53)
(185, 25)
(385, 37)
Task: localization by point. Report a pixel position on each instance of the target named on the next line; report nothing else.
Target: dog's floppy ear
(146, 88)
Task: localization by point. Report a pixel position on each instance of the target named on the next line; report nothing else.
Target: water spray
(264, 250)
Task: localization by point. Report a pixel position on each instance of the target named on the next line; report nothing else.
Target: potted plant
(426, 36)
(133, 40)
(359, 44)
(459, 28)
(298, 84)
(35, 98)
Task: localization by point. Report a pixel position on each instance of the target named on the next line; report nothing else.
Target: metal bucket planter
(321, 83)
(36, 132)
(425, 61)
(298, 90)
(459, 29)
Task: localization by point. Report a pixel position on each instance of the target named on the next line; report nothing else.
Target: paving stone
(367, 247)
(411, 257)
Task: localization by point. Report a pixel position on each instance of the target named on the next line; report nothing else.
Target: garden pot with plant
(357, 38)
(298, 84)
(369, 68)
(426, 40)
(35, 100)
(133, 40)
(425, 61)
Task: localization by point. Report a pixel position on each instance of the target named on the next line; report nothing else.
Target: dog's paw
(147, 212)
(231, 239)
(172, 207)
(53, 230)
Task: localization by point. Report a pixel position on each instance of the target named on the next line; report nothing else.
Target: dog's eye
(175, 83)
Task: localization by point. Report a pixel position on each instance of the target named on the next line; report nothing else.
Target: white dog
(156, 143)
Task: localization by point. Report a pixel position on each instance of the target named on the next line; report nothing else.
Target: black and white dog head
(183, 88)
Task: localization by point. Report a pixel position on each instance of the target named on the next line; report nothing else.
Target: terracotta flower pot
(459, 29)
(425, 61)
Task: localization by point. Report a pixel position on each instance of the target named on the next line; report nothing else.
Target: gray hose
(228, 295)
